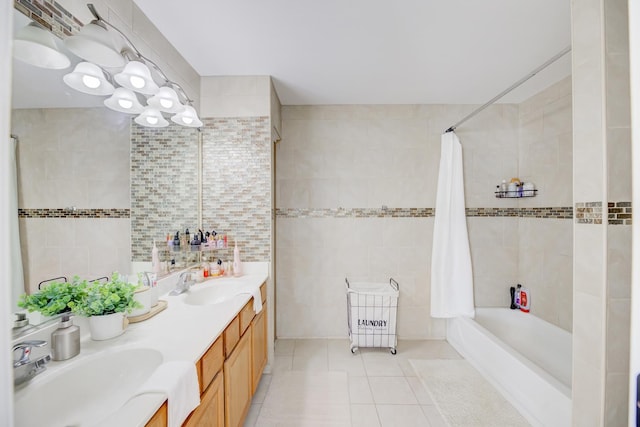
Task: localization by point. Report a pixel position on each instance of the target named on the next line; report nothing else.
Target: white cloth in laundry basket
(373, 309)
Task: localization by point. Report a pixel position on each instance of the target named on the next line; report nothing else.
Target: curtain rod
(510, 88)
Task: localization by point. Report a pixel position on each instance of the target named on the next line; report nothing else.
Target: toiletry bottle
(517, 298)
(205, 268)
(237, 264)
(503, 186)
(525, 300)
(65, 341)
(155, 259)
(512, 291)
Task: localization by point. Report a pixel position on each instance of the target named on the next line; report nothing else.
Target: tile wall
(546, 247)
(73, 158)
(355, 195)
(602, 182)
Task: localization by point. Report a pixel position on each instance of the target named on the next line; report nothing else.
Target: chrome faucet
(23, 367)
(183, 284)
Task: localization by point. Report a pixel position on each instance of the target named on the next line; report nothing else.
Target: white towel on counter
(257, 297)
(179, 381)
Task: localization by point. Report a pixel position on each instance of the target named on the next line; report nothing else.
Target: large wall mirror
(74, 161)
(96, 189)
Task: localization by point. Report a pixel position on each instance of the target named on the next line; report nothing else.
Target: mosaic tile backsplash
(236, 184)
(164, 182)
(51, 15)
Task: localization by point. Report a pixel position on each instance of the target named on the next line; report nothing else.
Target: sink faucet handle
(26, 346)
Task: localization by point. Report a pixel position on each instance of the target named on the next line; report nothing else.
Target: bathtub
(527, 359)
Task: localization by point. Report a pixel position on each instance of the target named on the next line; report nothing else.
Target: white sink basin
(86, 391)
(211, 294)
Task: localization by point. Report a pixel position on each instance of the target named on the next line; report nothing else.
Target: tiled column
(602, 189)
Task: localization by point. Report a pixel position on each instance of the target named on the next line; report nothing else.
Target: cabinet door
(238, 382)
(259, 346)
(210, 412)
(159, 419)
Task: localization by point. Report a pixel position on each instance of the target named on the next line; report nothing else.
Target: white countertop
(180, 332)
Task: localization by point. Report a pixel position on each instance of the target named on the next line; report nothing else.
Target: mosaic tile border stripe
(616, 213)
(51, 15)
(620, 213)
(561, 212)
(74, 213)
(543, 212)
(355, 213)
(589, 213)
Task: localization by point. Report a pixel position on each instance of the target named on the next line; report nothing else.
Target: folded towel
(257, 297)
(179, 381)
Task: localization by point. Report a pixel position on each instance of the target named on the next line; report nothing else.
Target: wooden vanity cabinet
(160, 418)
(210, 412)
(229, 372)
(238, 388)
(258, 346)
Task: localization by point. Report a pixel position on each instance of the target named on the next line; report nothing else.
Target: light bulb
(187, 120)
(166, 103)
(137, 82)
(152, 120)
(125, 103)
(90, 81)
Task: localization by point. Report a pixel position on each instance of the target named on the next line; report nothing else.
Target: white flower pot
(144, 296)
(107, 326)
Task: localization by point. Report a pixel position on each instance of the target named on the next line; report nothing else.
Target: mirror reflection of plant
(53, 299)
(97, 299)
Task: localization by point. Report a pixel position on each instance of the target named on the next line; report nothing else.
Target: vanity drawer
(212, 362)
(246, 316)
(231, 336)
(263, 293)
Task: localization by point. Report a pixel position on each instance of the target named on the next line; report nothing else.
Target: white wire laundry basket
(372, 309)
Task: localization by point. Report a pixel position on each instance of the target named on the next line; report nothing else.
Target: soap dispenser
(65, 341)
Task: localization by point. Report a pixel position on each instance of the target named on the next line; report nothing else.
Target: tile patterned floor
(383, 389)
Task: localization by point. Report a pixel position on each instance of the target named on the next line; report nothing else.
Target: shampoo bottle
(517, 296)
(237, 264)
(525, 300)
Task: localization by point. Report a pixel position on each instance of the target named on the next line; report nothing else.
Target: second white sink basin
(87, 391)
(211, 294)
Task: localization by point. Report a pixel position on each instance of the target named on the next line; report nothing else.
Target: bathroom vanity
(213, 325)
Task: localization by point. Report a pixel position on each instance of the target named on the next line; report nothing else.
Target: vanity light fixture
(94, 44)
(89, 78)
(37, 46)
(188, 118)
(152, 118)
(166, 100)
(124, 101)
(97, 44)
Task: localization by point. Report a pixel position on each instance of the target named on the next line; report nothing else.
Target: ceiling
(373, 51)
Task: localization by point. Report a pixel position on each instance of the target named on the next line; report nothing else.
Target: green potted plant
(106, 305)
(51, 300)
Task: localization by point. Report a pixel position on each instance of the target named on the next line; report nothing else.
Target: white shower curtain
(451, 273)
(15, 263)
